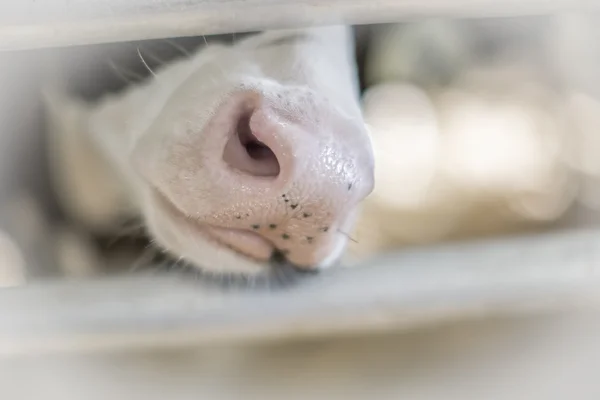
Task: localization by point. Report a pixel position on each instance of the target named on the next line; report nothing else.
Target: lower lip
(246, 243)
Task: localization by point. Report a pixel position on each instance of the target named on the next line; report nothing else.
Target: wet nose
(297, 168)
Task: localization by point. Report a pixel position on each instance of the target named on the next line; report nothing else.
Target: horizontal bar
(44, 23)
(406, 290)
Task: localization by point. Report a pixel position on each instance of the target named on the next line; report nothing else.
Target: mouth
(277, 272)
(244, 243)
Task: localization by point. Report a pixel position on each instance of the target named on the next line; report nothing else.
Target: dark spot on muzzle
(279, 261)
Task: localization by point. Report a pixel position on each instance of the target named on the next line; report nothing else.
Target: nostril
(246, 153)
(255, 148)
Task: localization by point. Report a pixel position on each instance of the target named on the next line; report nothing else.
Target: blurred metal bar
(542, 273)
(42, 23)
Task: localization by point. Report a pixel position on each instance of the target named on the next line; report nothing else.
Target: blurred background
(481, 128)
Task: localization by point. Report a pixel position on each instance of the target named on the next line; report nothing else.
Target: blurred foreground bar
(517, 276)
(43, 23)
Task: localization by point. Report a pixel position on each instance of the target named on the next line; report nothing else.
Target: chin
(196, 245)
(217, 251)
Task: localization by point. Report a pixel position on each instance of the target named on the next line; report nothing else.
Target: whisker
(348, 236)
(124, 73)
(145, 258)
(178, 47)
(135, 230)
(153, 56)
(145, 63)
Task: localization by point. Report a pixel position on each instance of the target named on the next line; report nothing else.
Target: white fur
(125, 146)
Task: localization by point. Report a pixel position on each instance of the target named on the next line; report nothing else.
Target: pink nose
(280, 170)
(296, 167)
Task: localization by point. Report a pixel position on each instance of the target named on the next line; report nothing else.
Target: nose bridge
(316, 140)
(298, 104)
